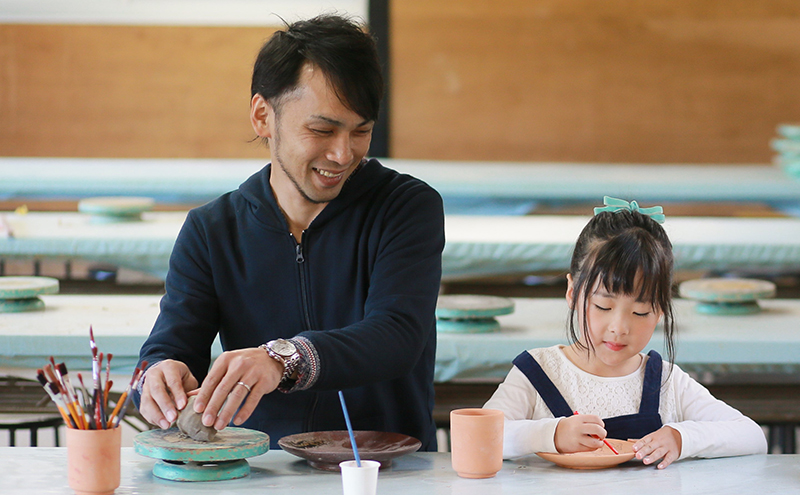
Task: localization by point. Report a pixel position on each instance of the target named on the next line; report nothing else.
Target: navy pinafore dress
(646, 421)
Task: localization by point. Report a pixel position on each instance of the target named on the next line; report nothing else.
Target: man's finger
(209, 386)
(235, 398)
(253, 398)
(151, 412)
(156, 391)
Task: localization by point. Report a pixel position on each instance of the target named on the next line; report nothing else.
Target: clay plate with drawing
(596, 459)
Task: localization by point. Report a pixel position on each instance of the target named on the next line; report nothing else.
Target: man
(320, 273)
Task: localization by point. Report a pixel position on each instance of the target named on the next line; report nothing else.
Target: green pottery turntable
(113, 209)
(182, 459)
(19, 294)
(727, 296)
(471, 313)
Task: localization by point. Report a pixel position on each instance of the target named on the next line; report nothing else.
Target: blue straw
(349, 429)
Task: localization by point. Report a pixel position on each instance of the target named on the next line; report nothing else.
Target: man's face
(316, 142)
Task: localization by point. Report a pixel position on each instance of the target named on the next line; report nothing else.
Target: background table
(44, 470)
(711, 346)
(495, 245)
(467, 186)
(475, 245)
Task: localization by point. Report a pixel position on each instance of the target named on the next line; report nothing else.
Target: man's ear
(261, 116)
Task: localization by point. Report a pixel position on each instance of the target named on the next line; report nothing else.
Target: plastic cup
(93, 459)
(359, 480)
(476, 442)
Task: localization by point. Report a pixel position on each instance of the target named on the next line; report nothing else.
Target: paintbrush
(89, 407)
(56, 400)
(604, 441)
(349, 429)
(107, 386)
(53, 378)
(66, 392)
(138, 374)
(97, 406)
(123, 397)
(76, 403)
(52, 390)
(48, 371)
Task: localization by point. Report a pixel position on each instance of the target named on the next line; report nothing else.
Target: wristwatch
(285, 353)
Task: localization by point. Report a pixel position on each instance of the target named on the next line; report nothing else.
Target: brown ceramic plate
(596, 459)
(326, 449)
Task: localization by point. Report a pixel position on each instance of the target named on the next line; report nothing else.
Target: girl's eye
(602, 308)
(641, 314)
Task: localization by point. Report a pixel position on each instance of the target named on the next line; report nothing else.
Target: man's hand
(164, 392)
(221, 393)
(664, 443)
(579, 433)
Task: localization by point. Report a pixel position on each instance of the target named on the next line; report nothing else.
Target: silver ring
(243, 384)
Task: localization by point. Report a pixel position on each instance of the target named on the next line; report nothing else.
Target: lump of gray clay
(190, 423)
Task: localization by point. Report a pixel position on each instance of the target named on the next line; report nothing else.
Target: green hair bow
(613, 204)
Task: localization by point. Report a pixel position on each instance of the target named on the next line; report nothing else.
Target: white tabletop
(29, 470)
(475, 245)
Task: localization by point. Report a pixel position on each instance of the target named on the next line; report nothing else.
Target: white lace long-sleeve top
(708, 426)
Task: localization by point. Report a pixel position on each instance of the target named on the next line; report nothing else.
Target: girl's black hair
(628, 253)
(338, 46)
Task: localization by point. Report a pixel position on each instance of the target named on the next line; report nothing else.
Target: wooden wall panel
(574, 80)
(127, 91)
(580, 80)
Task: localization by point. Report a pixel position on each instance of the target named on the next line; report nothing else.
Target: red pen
(604, 441)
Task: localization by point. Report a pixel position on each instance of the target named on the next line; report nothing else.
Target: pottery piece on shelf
(727, 296)
(19, 294)
(110, 209)
(466, 313)
(789, 131)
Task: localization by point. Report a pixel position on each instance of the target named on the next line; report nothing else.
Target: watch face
(283, 347)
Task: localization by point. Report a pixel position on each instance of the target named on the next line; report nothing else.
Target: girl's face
(619, 329)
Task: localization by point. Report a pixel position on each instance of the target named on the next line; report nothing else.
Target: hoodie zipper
(300, 259)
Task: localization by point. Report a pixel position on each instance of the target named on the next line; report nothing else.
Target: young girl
(619, 287)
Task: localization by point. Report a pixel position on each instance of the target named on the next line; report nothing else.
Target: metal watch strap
(289, 366)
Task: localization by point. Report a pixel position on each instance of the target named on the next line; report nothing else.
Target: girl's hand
(664, 444)
(579, 433)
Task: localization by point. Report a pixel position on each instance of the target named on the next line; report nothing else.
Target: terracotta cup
(93, 460)
(476, 442)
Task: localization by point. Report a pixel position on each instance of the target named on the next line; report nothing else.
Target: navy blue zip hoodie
(362, 287)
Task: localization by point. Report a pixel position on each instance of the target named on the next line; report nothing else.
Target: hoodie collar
(257, 191)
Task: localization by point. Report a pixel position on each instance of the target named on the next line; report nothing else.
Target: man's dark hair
(338, 46)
